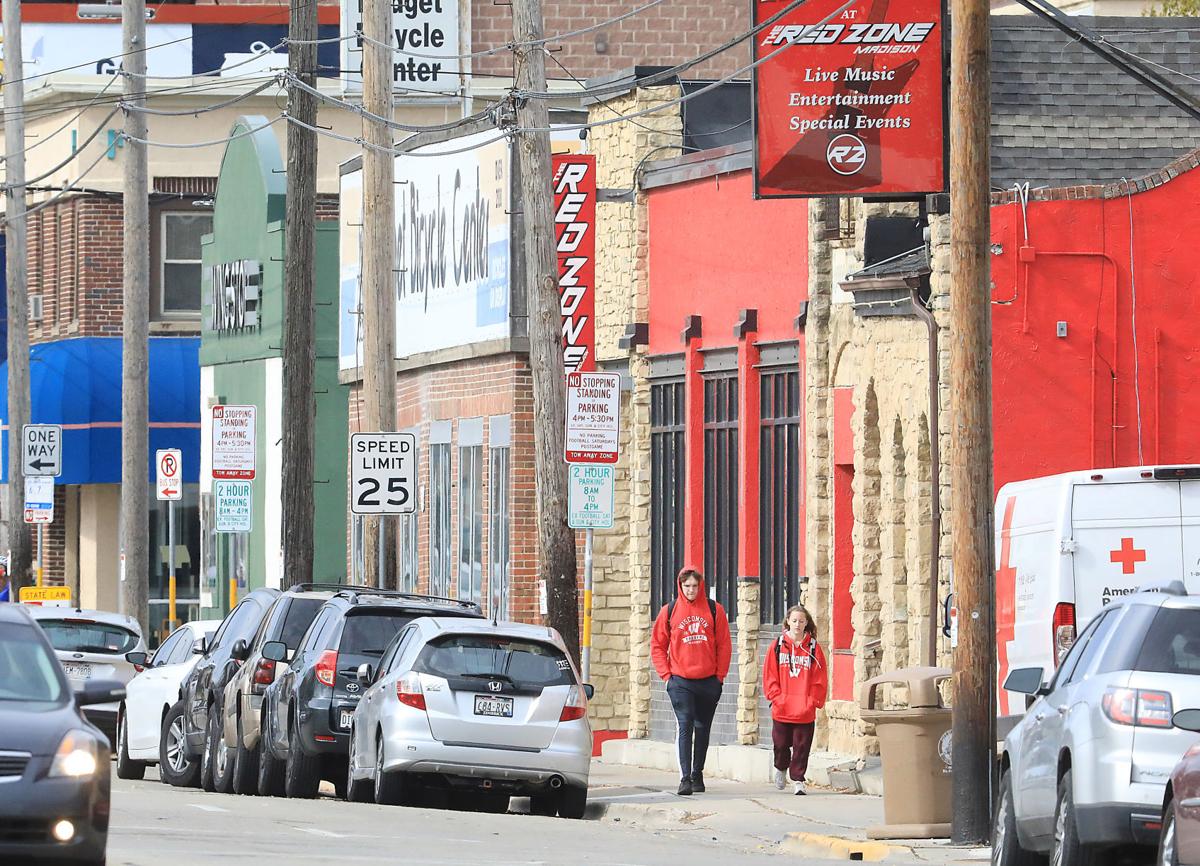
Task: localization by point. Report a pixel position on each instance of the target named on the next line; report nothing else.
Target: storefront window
(440, 539)
(779, 489)
(667, 489)
(470, 522)
(498, 529)
(721, 488)
(187, 561)
(180, 266)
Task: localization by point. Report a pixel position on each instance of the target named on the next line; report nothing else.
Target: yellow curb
(836, 848)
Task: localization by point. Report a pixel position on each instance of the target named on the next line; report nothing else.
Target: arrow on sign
(39, 464)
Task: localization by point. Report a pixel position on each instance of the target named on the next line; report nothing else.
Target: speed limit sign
(383, 473)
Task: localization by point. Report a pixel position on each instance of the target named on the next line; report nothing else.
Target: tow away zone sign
(233, 446)
(593, 417)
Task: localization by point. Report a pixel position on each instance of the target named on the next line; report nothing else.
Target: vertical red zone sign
(575, 237)
(850, 102)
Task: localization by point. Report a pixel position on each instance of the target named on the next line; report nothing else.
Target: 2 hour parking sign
(383, 473)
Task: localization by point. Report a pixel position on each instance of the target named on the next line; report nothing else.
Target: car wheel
(1068, 850)
(572, 801)
(300, 777)
(127, 768)
(357, 790)
(219, 760)
(175, 766)
(1168, 845)
(245, 764)
(1006, 847)
(389, 787)
(270, 770)
(545, 805)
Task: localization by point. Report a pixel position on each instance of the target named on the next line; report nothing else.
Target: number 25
(371, 487)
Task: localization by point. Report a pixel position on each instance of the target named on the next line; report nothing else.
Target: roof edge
(1099, 191)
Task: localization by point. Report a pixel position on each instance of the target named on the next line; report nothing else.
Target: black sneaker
(685, 787)
(698, 783)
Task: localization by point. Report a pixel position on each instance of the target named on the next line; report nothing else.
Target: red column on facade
(693, 444)
(748, 444)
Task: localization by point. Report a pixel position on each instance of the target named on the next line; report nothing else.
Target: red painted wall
(1066, 403)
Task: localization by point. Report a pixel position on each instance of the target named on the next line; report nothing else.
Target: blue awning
(77, 383)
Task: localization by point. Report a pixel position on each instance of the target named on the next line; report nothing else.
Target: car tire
(270, 771)
(301, 780)
(175, 766)
(1068, 850)
(389, 787)
(1168, 840)
(1006, 846)
(220, 769)
(545, 805)
(357, 790)
(572, 801)
(245, 765)
(127, 768)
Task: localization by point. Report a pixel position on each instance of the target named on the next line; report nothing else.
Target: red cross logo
(1128, 556)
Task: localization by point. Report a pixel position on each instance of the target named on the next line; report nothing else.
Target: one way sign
(41, 449)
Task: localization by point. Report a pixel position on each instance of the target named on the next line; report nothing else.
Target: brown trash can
(914, 751)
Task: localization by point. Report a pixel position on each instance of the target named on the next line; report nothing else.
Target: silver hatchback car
(1087, 766)
(489, 709)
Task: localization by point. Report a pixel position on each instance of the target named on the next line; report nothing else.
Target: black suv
(306, 713)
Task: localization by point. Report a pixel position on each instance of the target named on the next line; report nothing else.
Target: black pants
(695, 703)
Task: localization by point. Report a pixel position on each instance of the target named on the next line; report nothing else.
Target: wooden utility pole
(135, 329)
(299, 329)
(378, 277)
(557, 567)
(19, 544)
(971, 427)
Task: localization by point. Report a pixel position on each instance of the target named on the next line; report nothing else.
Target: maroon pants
(792, 744)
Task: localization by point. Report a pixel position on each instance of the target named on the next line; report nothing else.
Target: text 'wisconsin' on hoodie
(691, 645)
(795, 679)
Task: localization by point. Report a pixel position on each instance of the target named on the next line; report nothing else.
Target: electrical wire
(274, 82)
(195, 144)
(95, 100)
(393, 150)
(68, 188)
(68, 160)
(1150, 62)
(368, 115)
(1137, 381)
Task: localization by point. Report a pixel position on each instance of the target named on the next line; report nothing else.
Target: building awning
(77, 383)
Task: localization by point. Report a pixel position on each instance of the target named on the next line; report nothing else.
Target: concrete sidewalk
(757, 817)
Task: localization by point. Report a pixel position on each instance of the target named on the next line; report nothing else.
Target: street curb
(836, 848)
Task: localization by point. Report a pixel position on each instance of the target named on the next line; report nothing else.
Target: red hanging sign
(575, 236)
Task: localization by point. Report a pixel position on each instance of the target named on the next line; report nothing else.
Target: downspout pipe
(935, 523)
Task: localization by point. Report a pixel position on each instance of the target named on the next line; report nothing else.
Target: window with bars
(667, 479)
(779, 491)
(498, 530)
(409, 558)
(470, 522)
(441, 554)
(721, 488)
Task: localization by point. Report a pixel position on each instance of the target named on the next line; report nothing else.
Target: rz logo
(846, 154)
(495, 685)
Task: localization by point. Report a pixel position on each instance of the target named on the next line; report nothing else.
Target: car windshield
(368, 634)
(87, 636)
(27, 671)
(523, 662)
(300, 614)
(1172, 644)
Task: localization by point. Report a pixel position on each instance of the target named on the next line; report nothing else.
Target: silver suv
(1087, 766)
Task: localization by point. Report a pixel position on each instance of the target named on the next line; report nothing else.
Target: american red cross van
(1067, 545)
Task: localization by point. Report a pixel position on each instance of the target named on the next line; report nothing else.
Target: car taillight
(409, 691)
(1064, 630)
(327, 667)
(264, 672)
(1140, 707)
(575, 707)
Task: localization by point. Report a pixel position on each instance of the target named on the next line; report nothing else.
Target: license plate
(347, 716)
(77, 670)
(486, 705)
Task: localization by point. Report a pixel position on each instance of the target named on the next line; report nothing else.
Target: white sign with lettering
(234, 501)
(593, 417)
(590, 496)
(233, 445)
(424, 39)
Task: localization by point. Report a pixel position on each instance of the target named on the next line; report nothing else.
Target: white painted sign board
(233, 445)
(425, 45)
(41, 450)
(170, 473)
(383, 473)
(234, 501)
(39, 499)
(590, 496)
(593, 417)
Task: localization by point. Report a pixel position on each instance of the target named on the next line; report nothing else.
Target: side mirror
(589, 690)
(240, 651)
(275, 650)
(137, 659)
(364, 673)
(200, 646)
(1187, 720)
(100, 692)
(1026, 681)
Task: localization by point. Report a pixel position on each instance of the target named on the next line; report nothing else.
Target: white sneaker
(798, 789)
(780, 780)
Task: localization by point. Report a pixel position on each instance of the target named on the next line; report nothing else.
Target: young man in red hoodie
(691, 650)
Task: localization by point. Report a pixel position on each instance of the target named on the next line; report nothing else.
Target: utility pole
(19, 544)
(378, 287)
(557, 567)
(299, 329)
(135, 323)
(971, 428)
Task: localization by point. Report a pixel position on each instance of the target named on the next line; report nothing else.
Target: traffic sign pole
(40, 570)
(585, 656)
(171, 562)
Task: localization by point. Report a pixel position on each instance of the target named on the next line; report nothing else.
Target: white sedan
(151, 693)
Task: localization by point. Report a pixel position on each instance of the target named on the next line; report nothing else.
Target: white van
(1067, 545)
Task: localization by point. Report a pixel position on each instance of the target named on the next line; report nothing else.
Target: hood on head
(679, 586)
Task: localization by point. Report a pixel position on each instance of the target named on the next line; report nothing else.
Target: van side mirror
(1187, 720)
(275, 650)
(364, 673)
(1025, 681)
(589, 690)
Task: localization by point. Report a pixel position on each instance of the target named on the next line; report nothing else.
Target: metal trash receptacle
(914, 751)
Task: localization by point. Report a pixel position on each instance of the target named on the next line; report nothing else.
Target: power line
(195, 144)
(68, 188)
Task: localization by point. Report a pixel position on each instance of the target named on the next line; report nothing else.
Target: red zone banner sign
(575, 236)
(855, 105)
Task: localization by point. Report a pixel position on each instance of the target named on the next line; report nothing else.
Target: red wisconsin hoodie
(691, 645)
(795, 679)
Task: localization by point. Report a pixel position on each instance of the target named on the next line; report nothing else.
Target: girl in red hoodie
(691, 650)
(795, 680)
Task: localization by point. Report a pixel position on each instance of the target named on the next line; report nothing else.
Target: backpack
(779, 650)
(712, 607)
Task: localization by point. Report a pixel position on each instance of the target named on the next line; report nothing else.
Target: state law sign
(851, 102)
(593, 417)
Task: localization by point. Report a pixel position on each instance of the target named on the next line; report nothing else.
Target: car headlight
(77, 755)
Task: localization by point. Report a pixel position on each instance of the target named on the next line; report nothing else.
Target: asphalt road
(157, 825)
